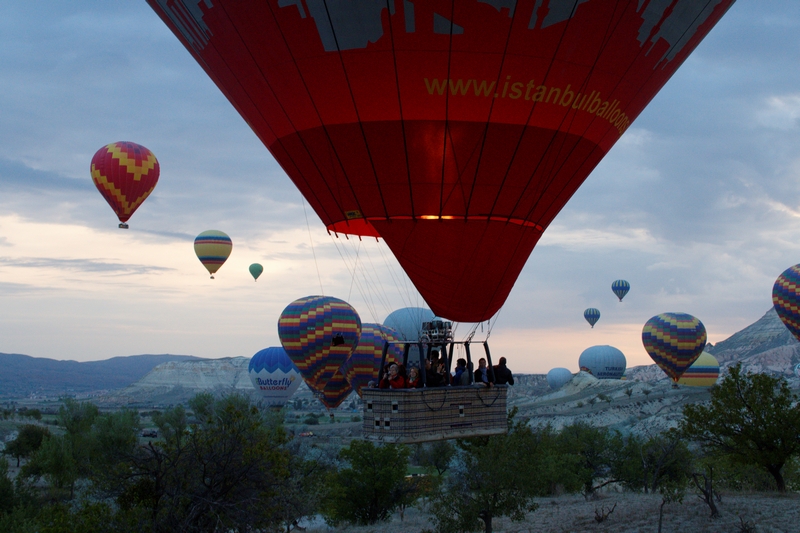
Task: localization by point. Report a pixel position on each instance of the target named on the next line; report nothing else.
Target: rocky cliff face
(178, 381)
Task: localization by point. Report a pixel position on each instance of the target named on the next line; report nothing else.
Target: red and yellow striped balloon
(125, 173)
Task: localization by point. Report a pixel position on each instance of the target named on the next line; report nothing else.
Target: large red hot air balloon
(456, 131)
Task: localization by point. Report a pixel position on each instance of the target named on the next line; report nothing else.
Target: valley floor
(634, 513)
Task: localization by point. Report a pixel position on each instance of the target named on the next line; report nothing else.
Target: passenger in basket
(393, 379)
(502, 374)
(482, 375)
(444, 376)
(413, 381)
(461, 376)
(432, 378)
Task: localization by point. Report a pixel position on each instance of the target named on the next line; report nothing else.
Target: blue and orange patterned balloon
(336, 390)
(364, 363)
(674, 341)
(786, 299)
(620, 288)
(213, 248)
(592, 315)
(319, 333)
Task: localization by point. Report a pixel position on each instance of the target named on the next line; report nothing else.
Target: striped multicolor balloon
(319, 333)
(704, 372)
(674, 341)
(336, 390)
(213, 248)
(364, 363)
(786, 299)
(125, 173)
(620, 288)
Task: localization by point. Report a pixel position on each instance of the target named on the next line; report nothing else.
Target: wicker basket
(430, 414)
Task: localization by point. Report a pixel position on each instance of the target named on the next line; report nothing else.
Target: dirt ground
(634, 513)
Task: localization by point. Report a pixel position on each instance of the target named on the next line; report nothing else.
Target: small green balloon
(256, 270)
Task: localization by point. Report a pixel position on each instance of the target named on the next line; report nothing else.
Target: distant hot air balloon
(212, 248)
(558, 377)
(335, 391)
(274, 375)
(603, 362)
(125, 173)
(364, 363)
(592, 315)
(407, 322)
(620, 288)
(456, 131)
(255, 270)
(674, 341)
(319, 333)
(786, 299)
(704, 372)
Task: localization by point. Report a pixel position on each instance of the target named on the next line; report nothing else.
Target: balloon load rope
(435, 409)
(496, 396)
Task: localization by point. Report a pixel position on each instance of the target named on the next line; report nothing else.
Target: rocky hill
(178, 381)
(24, 376)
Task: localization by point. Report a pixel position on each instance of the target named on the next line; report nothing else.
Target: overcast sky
(697, 206)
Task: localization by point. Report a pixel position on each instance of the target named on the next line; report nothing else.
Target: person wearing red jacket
(392, 379)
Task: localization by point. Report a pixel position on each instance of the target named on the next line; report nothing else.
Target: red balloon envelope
(125, 173)
(456, 131)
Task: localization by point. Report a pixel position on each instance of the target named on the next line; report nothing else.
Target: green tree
(492, 477)
(29, 439)
(751, 419)
(437, 455)
(7, 496)
(55, 461)
(592, 446)
(644, 464)
(366, 490)
(221, 473)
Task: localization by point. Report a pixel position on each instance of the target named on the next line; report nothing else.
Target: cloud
(80, 265)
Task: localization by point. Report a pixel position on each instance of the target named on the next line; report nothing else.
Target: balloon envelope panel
(704, 372)
(336, 390)
(558, 377)
(603, 362)
(407, 322)
(450, 129)
(274, 375)
(213, 248)
(364, 363)
(125, 173)
(786, 299)
(674, 341)
(319, 333)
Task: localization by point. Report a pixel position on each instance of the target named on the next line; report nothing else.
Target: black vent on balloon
(338, 340)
